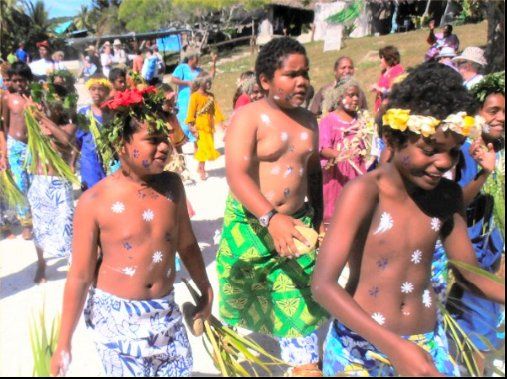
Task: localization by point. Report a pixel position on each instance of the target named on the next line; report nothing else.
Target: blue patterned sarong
(17, 154)
(52, 202)
(138, 337)
(347, 353)
(300, 350)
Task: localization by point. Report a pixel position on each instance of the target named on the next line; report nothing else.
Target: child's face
(350, 100)
(120, 83)
(423, 161)
(146, 153)
(19, 83)
(493, 111)
(256, 93)
(98, 94)
(289, 85)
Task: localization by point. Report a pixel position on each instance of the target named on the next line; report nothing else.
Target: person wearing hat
(470, 63)
(106, 59)
(91, 52)
(119, 55)
(42, 67)
(445, 57)
(58, 60)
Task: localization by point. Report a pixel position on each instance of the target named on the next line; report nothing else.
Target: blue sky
(60, 8)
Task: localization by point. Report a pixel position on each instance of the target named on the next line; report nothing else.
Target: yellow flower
(424, 125)
(396, 119)
(468, 124)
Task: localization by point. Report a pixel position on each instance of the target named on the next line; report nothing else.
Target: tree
(495, 50)
(145, 15)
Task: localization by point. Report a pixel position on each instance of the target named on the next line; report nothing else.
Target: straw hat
(447, 52)
(472, 54)
(117, 42)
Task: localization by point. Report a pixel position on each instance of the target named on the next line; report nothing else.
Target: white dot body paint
(301, 171)
(416, 257)
(426, 298)
(276, 170)
(168, 273)
(284, 136)
(386, 223)
(436, 224)
(288, 172)
(148, 215)
(118, 207)
(276, 97)
(129, 271)
(407, 287)
(405, 313)
(157, 257)
(246, 158)
(15, 102)
(304, 136)
(379, 318)
(265, 119)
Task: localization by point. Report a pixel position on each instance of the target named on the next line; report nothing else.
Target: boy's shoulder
(365, 187)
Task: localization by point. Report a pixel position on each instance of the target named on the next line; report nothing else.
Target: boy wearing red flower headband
(138, 218)
(386, 224)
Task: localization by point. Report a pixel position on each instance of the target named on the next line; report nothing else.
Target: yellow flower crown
(98, 81)
(460, 123)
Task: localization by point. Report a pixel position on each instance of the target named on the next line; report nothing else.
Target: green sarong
(259, 290)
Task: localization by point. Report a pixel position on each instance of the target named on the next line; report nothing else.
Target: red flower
(125, 98)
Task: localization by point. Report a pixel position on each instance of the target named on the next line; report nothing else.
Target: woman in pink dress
(339, 142)
(391, 69)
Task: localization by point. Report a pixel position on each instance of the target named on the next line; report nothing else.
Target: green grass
(363, 51)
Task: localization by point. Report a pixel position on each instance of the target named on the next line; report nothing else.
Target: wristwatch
(264, 220)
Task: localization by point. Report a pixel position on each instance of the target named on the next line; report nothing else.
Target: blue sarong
(138, 337)
(17, 154)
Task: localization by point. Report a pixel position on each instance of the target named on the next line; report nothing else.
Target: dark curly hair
(273, 54)
(430, 89)
(21, 69)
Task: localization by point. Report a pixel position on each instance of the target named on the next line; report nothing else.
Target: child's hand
(60, 362)
(411, 360)
(485, 156)
(45, 125)
(282, 230)
(203, 308)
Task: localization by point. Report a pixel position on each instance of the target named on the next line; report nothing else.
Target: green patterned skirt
(259, 290)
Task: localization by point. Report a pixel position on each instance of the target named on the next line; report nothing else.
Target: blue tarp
(62, 28)
(169, 43)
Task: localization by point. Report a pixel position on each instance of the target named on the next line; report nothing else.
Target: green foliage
(145, 15)
(232, 354)
(9, 191)
(471, 11)
(43, 342)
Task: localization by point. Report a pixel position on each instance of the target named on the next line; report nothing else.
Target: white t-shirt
(106, 60)
(42, 67)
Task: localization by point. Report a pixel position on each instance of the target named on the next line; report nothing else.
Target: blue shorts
(347, 353)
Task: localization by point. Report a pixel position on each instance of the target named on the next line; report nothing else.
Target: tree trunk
(495, 51)
(447, 9)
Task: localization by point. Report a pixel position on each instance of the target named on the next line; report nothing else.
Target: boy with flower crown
(138, 218)
(386, 224)
(91, 164)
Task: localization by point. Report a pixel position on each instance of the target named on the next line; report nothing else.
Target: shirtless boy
(386, 224)
(272, 164)
(14, 127)
(138, 218)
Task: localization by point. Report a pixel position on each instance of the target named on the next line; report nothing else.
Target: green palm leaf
(350, 13)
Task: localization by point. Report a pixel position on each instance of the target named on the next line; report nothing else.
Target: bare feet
(27, 233)
(40, 275)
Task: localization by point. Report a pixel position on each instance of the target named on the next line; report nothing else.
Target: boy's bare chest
(281, 137)
(402, 228)
(146, 214)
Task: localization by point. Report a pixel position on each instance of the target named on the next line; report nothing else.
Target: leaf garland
(9, 191)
